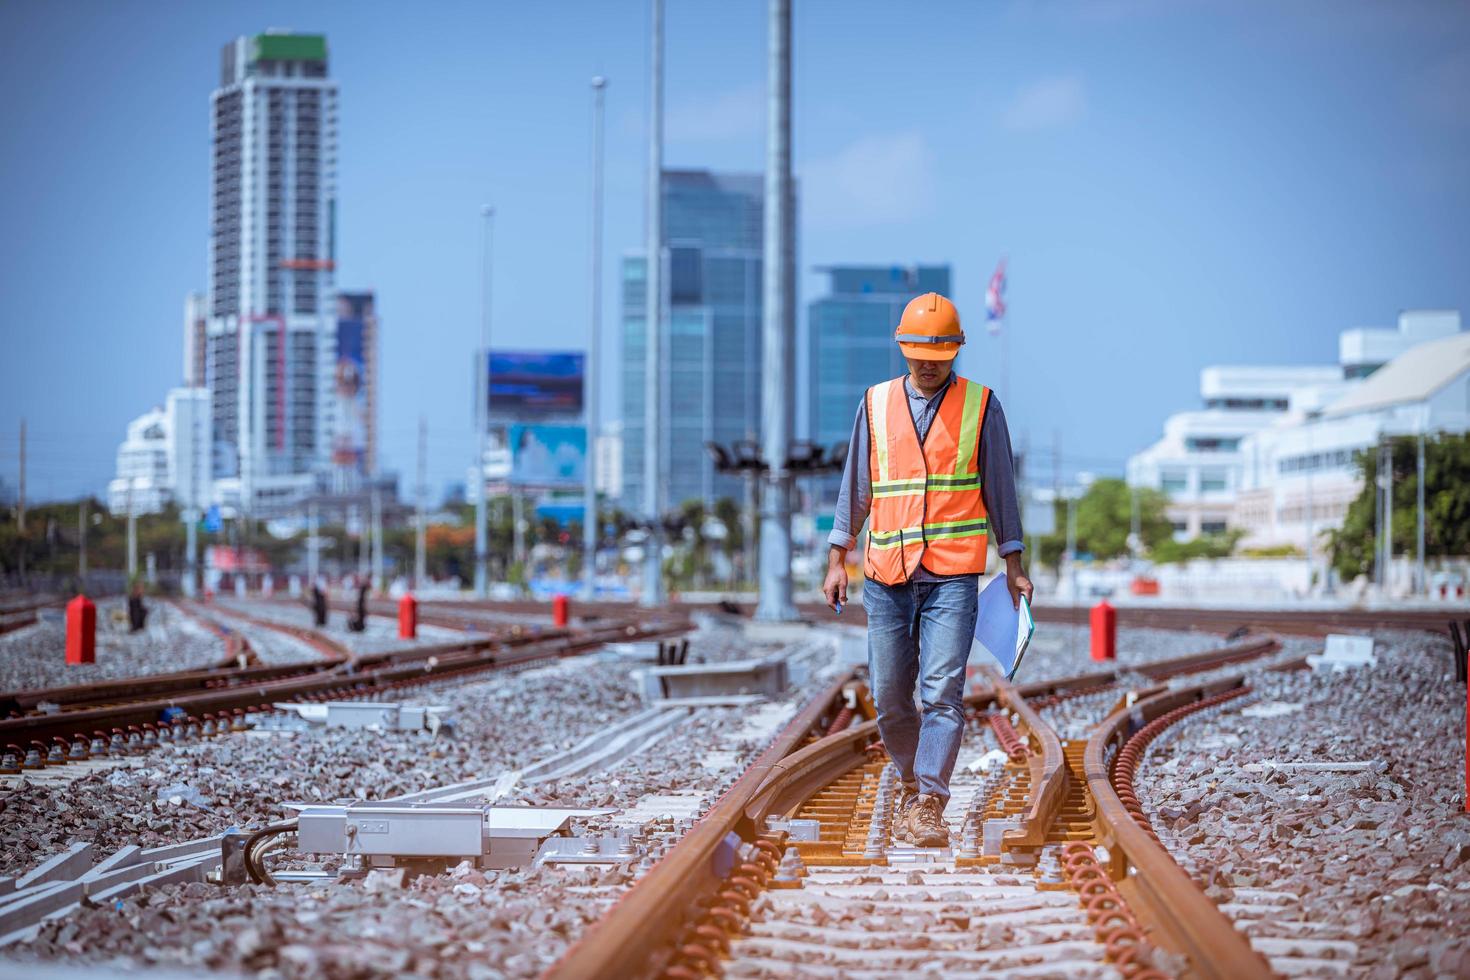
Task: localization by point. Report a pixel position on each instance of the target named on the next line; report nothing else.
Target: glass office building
(850, 338)
(711, 334)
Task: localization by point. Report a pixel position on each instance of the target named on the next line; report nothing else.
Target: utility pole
(1420, 584)
(778, 346)
(20, 514)
(482, 408)
(653, 387)
(377, 540)
(82, 546)
(1311, 514)
(1388, 516)
(132, 536)
(590, 523)
(420, 551)
(313, 561)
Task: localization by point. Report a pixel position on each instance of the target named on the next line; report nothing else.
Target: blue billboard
(349, 387)
(528, 385)
(548, 455)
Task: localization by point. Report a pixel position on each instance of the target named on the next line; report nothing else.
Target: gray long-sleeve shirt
(997, 476)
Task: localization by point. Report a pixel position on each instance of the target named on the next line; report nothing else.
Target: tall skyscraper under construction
(271, 341)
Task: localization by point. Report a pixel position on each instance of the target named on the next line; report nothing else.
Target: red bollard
(81, 631)
(560, 610)
(1104, 632)
(408, 617)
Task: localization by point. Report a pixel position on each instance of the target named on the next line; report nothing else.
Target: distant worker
(137, 611)
(318, 605)
(358, 622)
(929, 467)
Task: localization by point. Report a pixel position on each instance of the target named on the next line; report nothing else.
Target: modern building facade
(165, 458)
(1198, 462)
(711, 333)
(850, 343)
(270, 357)
(1301, 474)
(1273, 452)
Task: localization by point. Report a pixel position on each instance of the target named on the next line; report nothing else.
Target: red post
(408, 617)
(1104, 632)
(560, 609)
(81, 631)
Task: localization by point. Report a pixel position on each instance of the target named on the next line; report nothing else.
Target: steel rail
(1048, 768)
(373, 674)
(650, 914)
(633, 939)
(1182, 916)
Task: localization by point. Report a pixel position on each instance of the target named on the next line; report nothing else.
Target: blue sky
(1176, 184)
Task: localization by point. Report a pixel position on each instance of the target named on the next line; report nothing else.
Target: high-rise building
(196, 334)
(355, 390)
(711, 333)
(270, 348)
(850, 343)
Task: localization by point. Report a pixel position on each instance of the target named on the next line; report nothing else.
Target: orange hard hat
(930, 329)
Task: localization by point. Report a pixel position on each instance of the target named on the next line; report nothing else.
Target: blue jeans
(920, 633)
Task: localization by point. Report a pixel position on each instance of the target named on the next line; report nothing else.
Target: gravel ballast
(35, 656)
(1326, 813)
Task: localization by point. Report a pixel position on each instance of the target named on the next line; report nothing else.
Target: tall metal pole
(778, 346)
(420, 544)
(82, 546)
(1419, 581)
(377, 504)
(132, 536)
(313, 561)
(1388, 514)
(1311, 511)
(653, 387)
(594, 358)
(482, 409)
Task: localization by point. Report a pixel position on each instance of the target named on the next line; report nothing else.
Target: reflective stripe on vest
(927, 505)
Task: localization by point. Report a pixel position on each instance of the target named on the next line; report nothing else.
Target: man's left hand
(1017, 581)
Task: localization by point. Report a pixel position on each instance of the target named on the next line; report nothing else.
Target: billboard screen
(535, 384)
(548, 455)
(349, 387)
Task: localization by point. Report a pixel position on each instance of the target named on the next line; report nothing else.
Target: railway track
(53, 726)
(1051, 870)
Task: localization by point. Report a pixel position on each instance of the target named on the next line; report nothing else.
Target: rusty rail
(1048, 768)
(1183, 917)
(626, 941)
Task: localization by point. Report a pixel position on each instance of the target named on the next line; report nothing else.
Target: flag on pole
(995, 298)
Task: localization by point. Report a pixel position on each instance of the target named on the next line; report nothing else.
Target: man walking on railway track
(929, 467)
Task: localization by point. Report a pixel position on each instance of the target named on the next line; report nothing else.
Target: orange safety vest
(927, 506)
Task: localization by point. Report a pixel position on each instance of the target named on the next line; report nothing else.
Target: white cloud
(1049, 103)
(873, 181)
(717, 117)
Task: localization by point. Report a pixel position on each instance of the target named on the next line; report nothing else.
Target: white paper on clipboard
(1002, 629)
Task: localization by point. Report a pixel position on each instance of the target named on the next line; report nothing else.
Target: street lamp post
(594, 342)
(653, 387)
(482, 408)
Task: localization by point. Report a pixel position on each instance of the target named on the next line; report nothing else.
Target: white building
(1303, 473)
(1220, 466)
(270, 339)
(1198, 461)
(165, 457)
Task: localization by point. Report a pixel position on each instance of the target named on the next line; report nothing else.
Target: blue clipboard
(1003, 630)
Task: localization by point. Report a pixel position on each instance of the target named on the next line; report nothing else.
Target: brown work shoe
(924, 822)
(907, 797)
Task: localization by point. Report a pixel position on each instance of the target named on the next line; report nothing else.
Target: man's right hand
(834, 588)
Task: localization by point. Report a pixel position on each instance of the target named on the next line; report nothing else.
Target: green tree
(1104, 518)
(1446, 504)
